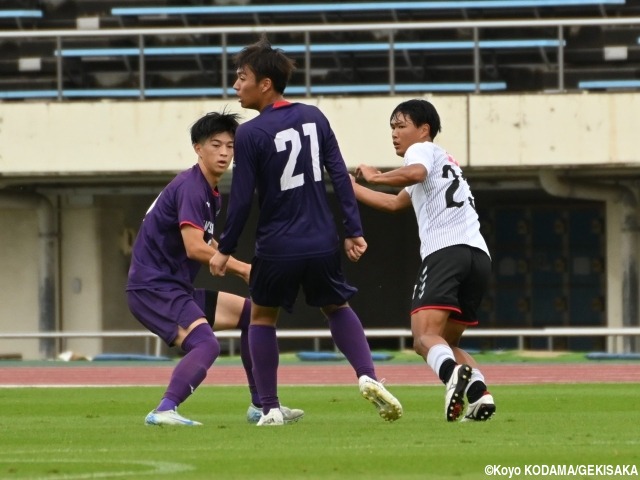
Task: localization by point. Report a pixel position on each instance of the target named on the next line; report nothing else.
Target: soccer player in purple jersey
(283, 154)
(175, 239)
(456, 265)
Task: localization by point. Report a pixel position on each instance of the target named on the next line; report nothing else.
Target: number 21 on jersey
(288, 180)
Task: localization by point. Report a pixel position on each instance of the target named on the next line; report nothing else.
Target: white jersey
(443, 203)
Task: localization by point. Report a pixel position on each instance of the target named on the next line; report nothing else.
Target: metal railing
(317, 334)
(141, 36)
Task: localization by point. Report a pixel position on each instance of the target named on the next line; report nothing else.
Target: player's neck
(212, 179)
(270, 100)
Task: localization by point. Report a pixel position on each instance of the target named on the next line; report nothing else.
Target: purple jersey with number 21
(283, 154)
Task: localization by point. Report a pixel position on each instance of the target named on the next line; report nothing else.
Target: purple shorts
(162, 311)
(275, 283)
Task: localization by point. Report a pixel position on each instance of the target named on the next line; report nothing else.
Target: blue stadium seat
(20, 13)
(342, 7)
(314, 48)
(608, 84)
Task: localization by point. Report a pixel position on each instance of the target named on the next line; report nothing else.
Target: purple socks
(263, 344)
(202, 349)
(245, 353)
(348, 335)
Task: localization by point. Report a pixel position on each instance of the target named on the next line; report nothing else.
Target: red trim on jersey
(281, 103)
(182, 224)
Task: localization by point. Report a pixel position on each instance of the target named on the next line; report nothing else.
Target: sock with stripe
(442, 361)
(476, 388)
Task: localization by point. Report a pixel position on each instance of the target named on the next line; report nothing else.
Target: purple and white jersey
(159, 258)
(283, 153)
(443, 203)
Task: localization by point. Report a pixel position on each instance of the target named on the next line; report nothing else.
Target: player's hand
(366, 172)
(354, 248)
(218, 264)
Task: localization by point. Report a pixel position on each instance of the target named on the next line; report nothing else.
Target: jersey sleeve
(243, 184)
(189, 206)
(337, 170)
(420, 153)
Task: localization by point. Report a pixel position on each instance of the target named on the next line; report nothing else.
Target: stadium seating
(609, 84)
(338, 47)
(251, 9)
(341, 62)
(20, 13)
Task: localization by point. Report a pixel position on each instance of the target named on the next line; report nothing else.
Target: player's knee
(203, 339)
(212, 346)
(418, 347)
(328, 310)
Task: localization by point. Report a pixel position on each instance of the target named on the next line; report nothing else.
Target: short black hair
(420, 112)
(212, 123)
(266, 62)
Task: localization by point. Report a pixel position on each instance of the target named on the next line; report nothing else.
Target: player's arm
(243, 184)
(399, 177)
(386, 202)
(199, 250)
(234, 265)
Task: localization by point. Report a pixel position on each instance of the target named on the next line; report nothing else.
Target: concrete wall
(576, 129)
(19, 279)
(487, 130)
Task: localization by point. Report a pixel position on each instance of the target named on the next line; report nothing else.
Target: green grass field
(87, 433)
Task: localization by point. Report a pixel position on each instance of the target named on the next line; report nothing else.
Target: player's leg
(324, 285)
(233, 311)
(263, 345)
(452, 334)
(481, 405)
(348, 335)
(435, 300)
(274, 285)
(201, 349)
(176, 318)
(427, 327)
(227, 311)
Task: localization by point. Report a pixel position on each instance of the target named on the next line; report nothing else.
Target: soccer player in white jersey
(456, 264)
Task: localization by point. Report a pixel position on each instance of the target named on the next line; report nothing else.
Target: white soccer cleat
(290, 415)
(480, 410)
(388, 406)
(454, 396)
(272, 419)
(168, 417)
